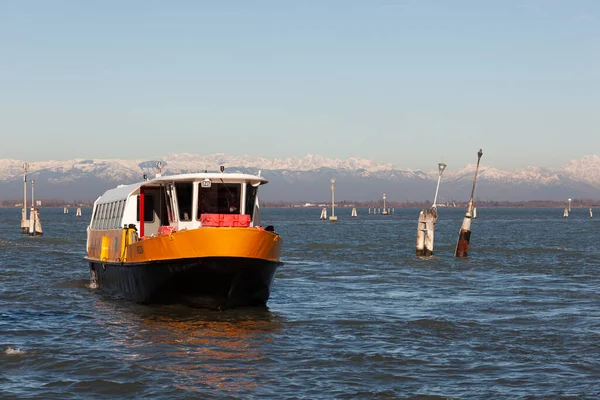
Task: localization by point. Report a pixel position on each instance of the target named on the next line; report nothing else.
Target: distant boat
(591, 214)
(566, 212)
(474, 212)
(78, 213)
(323, 214)
(384, 210)
(65, 210)
(354, 212)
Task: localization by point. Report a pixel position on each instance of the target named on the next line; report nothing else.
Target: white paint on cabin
(118, 207)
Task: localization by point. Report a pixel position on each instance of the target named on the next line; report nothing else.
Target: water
(353, 314)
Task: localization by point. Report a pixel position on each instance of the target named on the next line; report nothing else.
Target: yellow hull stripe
(194, 243)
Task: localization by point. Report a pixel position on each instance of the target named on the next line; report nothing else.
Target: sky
(409, 82)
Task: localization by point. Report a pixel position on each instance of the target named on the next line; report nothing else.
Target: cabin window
(113, 214)
(185, 192)
(121, 211)
(94, 216)
(220, 198)
(109, 215)
(100, 211)
(169, 203)
(102, 216)
(148, 208)
(250, 199)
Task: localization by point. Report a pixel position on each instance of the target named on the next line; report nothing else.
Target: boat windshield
(219, 198)
(184, 192)
(250, 199)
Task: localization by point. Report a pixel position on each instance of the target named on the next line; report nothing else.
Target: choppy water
(353, 314)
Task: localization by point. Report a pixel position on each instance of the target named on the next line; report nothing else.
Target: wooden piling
(464, 236)
(425, 232)
(427, 219)
(35, 225)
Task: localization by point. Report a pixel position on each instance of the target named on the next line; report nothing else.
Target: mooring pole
(32, 213)
(427, 220)
(464, 236)
(425, 231)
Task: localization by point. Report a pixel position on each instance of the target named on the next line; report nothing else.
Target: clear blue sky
(407, 82)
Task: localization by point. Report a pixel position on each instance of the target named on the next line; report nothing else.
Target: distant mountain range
(307, 179)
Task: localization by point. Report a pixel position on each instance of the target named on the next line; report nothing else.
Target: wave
(13, 352)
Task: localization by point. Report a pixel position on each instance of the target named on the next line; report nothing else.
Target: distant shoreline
(575, 203)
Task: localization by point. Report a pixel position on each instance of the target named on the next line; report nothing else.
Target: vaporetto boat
(191, 238)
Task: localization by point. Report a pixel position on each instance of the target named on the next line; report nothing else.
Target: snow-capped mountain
(307, 178)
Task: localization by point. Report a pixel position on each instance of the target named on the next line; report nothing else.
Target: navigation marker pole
(333, 217)
(24, 220)
(426, 223)
(464, 236)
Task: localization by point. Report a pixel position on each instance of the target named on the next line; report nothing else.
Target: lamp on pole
(441, 168)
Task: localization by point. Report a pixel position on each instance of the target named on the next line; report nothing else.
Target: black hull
(212, 282)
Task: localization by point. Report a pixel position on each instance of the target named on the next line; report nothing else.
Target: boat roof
(124, 191)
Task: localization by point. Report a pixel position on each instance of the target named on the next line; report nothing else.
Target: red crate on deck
(225, 220)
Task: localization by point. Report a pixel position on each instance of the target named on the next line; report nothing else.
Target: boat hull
(207, 282)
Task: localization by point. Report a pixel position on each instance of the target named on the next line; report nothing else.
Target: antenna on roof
(159, 166)
(149, 168)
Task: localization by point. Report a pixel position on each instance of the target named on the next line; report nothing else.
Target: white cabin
(177, 201)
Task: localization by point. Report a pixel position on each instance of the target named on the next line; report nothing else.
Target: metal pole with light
(441, 168)
(24, 220)
(333, 218)
(464, 236)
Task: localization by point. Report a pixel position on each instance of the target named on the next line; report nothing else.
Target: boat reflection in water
(197, 350)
